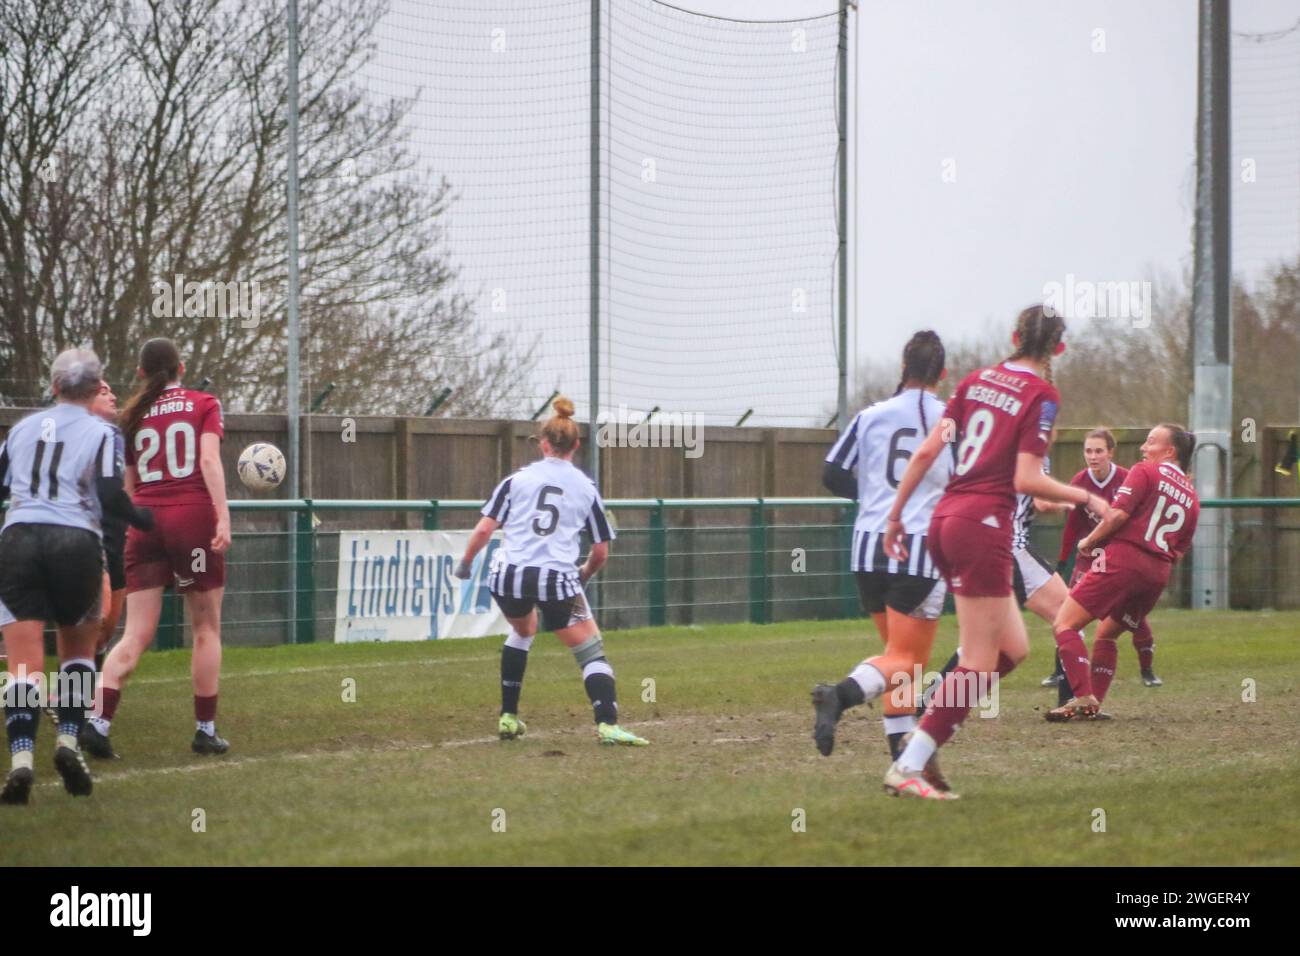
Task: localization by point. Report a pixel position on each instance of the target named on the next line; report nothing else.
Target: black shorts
(115, 552)
(556, 615)
(907, 594)
(51, 573)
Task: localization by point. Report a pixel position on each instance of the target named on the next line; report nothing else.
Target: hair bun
(563, 407)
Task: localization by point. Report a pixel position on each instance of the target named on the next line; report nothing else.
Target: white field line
(419, 662)
(230, 763)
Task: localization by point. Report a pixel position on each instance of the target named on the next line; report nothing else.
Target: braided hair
(1039, 332)
(923, 361)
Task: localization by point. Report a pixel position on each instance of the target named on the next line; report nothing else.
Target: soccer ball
(261, 466)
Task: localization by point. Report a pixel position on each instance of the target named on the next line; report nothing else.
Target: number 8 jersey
(1000, 411)
(165, 447)
(543, 509)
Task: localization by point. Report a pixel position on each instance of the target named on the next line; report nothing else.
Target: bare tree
(170, 204)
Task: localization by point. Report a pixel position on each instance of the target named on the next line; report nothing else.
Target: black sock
(600, 691)
(1063, 690)
(1060, 668)
(849, 693)
(950, 666)
(514, 660)
(76, 695)
(896, 745)
(22, 715)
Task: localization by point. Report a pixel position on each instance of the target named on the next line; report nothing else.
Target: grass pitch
(411, 771)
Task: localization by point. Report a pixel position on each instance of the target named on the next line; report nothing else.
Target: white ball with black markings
(261, 466)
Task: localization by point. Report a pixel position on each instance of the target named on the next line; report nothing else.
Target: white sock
(23, 758)
(869, 679)
(902, 724)
(517, 641)
(101, 725)
(66, 740)
(918, 753)
(209, 727)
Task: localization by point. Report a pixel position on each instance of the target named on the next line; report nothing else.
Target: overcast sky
(1066, 129)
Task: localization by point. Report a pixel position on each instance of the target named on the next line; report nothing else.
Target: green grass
(411, 773)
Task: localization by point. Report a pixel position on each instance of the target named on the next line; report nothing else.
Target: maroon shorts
(178, 550)
(1123, 585)
(974, 558)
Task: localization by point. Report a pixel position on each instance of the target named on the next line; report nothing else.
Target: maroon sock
(1005, 665)
(1074, 660)
(950, 705)
(1104, 656)
(108, 699)
(1144, 642)
(205, 708)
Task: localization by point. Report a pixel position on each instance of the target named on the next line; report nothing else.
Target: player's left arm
(214, 479)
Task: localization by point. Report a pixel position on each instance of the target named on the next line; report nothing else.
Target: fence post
(848, 588)
(758, 609)
(658, 566)
(304, 597)
(431, 516)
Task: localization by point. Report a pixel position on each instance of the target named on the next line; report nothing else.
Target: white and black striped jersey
(51, 460)
(1024, 515)
(543, 509)
(878, 443)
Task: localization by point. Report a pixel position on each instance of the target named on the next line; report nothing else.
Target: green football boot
(509, 727)
(614, 734)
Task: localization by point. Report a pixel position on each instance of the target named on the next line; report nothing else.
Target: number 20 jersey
(543, 508)
(1163, 509)
(165, 447)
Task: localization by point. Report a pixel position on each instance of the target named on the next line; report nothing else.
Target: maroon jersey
(1080, 521)
(165, 447)
(1000, 412)
(1162, 510)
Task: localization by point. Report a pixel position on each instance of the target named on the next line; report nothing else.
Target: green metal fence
(676, 561)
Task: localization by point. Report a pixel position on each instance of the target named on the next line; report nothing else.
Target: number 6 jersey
(165, 447)
(543, 508)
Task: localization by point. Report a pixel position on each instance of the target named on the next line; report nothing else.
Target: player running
(1148, 527)
(1038, 585)
(543, 508)
(1002, 419)
(63, 467)
(173, 453)
(1105, 477)
(904, 598)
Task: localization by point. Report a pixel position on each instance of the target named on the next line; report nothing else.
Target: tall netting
(720, 237)
(716, 195)
(1266, 152)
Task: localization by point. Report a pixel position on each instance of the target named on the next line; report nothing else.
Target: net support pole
(842, 306)
(293, 385)
(593, 334)
(1211, 404)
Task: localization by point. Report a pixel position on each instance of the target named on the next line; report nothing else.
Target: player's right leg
(1068, 627)
(573, 624)
(521, 615)
(866, 681)
(23, 698)
(143, 608)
